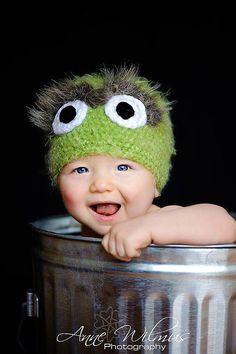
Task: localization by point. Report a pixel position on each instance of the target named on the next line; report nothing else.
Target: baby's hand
(126, 239)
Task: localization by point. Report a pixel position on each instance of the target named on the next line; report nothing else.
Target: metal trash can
(173, 299)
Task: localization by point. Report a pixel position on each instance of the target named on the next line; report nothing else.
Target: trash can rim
(69, 228)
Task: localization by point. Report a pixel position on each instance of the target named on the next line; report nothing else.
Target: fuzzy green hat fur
(112, 112)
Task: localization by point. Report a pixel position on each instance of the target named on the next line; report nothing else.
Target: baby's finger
(120, 249)
(131, 251)
(105, 241)
(124, 259)
(112, 245)
(107, 247)
(109, 244)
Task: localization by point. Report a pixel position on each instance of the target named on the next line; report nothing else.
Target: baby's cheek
(73, 201)
(70, 199)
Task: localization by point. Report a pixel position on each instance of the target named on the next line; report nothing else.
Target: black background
(190, 51)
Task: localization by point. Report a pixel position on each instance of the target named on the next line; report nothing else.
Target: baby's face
(100, 191)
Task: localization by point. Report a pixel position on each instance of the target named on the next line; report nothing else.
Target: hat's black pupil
(124, 110)
(67, 114)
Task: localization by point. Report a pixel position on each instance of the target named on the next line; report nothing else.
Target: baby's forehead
(103, 159)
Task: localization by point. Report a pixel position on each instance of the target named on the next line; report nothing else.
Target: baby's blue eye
(123, 167)
(81, 169)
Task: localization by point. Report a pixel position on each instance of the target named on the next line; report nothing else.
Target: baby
(110, 144)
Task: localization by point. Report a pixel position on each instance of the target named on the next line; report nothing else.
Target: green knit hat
(114, 112)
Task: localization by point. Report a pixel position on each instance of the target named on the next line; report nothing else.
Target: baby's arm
(199, 224)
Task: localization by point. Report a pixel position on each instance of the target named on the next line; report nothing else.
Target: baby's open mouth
(106, 208)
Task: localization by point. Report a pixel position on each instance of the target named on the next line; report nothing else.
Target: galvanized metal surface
(172, 300)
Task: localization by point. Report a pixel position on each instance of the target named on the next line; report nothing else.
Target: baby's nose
(101, 184)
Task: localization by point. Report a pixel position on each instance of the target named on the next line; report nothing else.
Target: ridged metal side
(172, 300)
